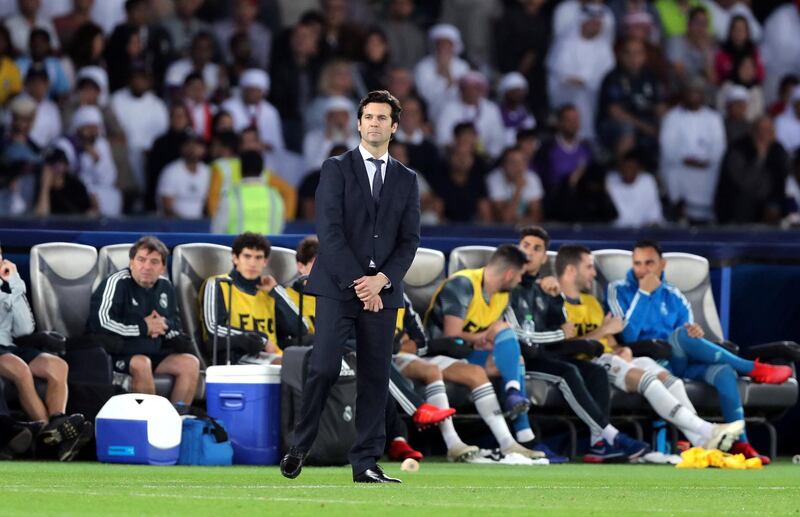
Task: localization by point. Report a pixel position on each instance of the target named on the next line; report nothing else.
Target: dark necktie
(377, 180)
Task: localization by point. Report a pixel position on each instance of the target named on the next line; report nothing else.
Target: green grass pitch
(87, 489)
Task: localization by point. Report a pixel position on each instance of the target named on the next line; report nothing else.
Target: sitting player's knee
(141, 366)
(190, 363)
(431, 373)
(57, 369)
(633, 380)
(15, 368)
(476, 375)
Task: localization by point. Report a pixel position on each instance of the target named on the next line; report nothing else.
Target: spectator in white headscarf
(577, 66)
(251, 109)
(437, 74)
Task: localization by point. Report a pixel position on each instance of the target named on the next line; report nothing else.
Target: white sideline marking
(427, 504)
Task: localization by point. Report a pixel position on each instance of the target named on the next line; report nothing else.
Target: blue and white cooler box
(138, 428)
(247, 398)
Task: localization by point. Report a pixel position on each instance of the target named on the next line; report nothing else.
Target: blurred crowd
(627, 112)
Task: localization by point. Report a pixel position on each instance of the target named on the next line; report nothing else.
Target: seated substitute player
(422, 413)
(655, 309)
(433, 369)
(262, 315)
(469, 305)
(664, 392)
(583, 384)
(21, 364)
(137, 306)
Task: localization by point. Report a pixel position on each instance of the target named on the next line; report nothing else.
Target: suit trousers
(335, 322)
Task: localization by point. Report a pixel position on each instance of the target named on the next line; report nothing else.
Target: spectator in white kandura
(473, 106)
(143, 117)
(249, 108)
(201, 61)
(634, 193)
(47, 121)
(692, 143)
(512, 95)
(339, 129)
(787, 125)
(569, 13)
(577, 65)
(781, 47)
(515, 191)
(29, 18)
(90, 153)
(183, 186)
(437, 74)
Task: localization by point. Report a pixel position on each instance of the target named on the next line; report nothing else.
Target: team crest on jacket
(540, 303)
(664, 310)
(162, 300)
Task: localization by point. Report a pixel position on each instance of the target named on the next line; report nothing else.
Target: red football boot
(400, 450)
(748, 451)
(770, 373)
(427, 415)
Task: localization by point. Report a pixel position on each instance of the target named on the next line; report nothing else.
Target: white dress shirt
(371, 168)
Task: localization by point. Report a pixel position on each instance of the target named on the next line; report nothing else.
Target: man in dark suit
(367, 212)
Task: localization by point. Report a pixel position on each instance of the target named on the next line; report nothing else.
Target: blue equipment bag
(204, 441)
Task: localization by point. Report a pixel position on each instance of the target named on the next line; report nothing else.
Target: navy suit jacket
(351, 231)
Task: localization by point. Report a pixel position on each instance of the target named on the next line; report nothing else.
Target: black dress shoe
(374, 475)
(292, 463)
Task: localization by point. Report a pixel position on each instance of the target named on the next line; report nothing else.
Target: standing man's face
(375, 125)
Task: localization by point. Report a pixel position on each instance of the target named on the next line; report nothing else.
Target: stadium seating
(191, 265)
(424, 277)
(111, 259)
(282, 265)
(468, 257)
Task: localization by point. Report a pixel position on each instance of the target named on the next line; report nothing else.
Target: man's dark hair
(565, 108)
(695, 11)
(150, 244)
(508, 150)
(508, 256)
(570, 255)
(526, 133)
(462, 127)
(193, 76)
(228, 140)
(381, 97)
(130, 5)
(649, 243)
(535, 231)
(250, 240)
(252, 164)
(308, 249)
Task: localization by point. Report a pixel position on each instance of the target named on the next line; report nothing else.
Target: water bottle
(528, 327)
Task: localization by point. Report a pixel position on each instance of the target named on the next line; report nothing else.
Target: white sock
(678, 390)
(526, 435)
(398, 438)
(437, 395)
(609, 434)
(670, 409)
(488, 407)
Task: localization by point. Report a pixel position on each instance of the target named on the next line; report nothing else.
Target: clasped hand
(367, 289)
(156, 325)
